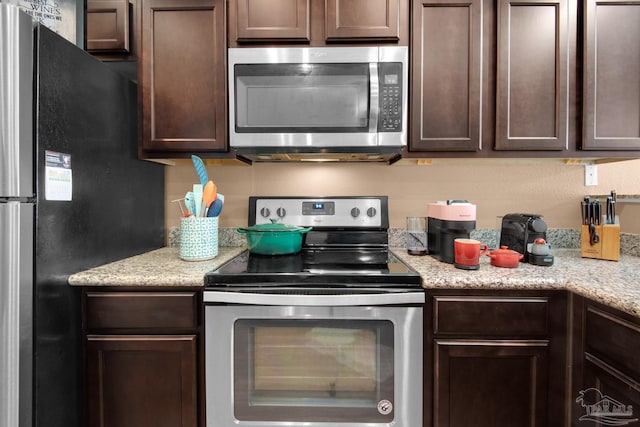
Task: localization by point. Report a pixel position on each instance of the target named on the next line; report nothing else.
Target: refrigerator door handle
(16, 103)
(16, 310)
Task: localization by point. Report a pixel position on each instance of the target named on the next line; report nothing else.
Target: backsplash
(558, 238)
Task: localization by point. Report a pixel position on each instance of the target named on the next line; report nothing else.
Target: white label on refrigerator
(57, 176)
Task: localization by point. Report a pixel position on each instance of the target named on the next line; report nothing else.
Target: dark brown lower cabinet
(142, 380)
(606, 382)
(490, 382)
(495, 359)
(142, 356)
(606, 386)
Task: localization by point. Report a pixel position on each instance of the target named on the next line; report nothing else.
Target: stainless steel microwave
(328, 103)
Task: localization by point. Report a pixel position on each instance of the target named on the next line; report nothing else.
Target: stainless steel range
(330, 336)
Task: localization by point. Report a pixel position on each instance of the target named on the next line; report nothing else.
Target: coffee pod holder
(601, 241)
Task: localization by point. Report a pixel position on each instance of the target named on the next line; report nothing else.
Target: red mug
(468, 252)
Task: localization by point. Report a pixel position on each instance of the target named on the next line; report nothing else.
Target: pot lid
(504, 250)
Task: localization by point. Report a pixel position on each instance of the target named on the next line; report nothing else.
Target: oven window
(302, 97)
(320, 370)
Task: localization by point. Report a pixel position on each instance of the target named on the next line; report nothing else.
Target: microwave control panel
(390, 77)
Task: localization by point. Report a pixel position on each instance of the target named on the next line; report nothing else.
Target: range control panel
(360, 212)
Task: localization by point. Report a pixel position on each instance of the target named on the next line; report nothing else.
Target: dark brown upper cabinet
(532, 75)
(182, 77)
(108, 26)
(362, 19)
(446, 75)
(317, 22)
(273, 20)
(611, 83)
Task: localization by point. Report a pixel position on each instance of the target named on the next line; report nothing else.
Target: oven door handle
(256, 298)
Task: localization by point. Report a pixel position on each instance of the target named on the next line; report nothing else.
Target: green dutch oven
(274, 239)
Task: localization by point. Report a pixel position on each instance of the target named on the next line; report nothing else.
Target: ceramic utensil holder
(608, 246)
(198, 238)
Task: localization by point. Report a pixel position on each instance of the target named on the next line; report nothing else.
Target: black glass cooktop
(316, 267)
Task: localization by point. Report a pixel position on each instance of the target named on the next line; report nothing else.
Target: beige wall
(547, 187)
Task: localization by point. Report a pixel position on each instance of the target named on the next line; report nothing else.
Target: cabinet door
(488, 383)
(362, 19)
(271, 19)
(611, 81)
(608, 397)
(108, 26)
(182, 75)
(446, 75)
(140, 381)
(532, 75)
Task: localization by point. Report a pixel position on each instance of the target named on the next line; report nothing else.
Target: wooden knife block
(607, 248)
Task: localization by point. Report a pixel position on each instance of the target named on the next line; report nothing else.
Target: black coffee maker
(520, 229)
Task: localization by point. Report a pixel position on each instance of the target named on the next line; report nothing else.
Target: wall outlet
(590, 175)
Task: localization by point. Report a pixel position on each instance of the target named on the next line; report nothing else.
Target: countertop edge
(615, 284)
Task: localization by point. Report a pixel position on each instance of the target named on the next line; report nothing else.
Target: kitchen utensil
(467, 253)
(216, 206)
(611, 208)
(209, 194)
(201, 170)
(183, 212)
(190, 203)
(197, 199)
(274, 239)
(591, 217)
(505, 257)
(416, 236)
(594, 237)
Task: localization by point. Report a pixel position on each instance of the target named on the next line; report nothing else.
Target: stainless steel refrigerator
(73, 195)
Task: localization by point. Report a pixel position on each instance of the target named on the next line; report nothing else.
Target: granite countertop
(162, 267)
(616, 284)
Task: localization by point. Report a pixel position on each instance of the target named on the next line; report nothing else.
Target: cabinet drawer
(490, 316)
(146, 311)
(614, 340)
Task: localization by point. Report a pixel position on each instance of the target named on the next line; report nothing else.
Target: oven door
(313, 366)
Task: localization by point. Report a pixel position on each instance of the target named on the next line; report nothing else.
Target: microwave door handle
(374, 97)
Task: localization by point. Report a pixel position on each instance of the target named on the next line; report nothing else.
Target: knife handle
(597, 212)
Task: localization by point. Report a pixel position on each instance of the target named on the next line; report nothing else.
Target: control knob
(371, 212)
(355, 212)
(281, 212)
(265, 212)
